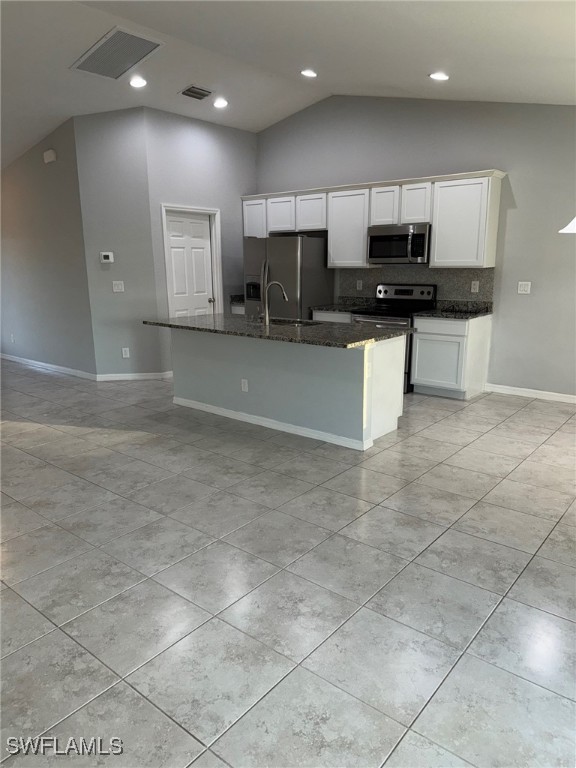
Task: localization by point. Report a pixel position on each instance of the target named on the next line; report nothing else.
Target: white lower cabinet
(450, 357)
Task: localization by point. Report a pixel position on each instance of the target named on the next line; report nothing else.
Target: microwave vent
(116, 53)
(195, 92)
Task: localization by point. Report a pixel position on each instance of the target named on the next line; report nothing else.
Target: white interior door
(189, 264)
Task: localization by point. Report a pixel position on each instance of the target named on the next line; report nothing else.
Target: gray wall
(193, 163)
(45, 300)
(351, 139)
(112, 170)
(190, 163)
(130, 162)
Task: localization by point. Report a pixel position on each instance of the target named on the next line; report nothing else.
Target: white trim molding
(87, 374)
(215, 245)
(539, 394)
(293, 429)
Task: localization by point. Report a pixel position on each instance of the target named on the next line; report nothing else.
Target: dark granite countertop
(454, 315)
(459, 310)
(340, 335)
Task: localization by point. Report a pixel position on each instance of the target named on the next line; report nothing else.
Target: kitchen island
(339, 383)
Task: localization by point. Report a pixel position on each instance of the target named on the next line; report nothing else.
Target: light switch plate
(524, 287)
(118, 286)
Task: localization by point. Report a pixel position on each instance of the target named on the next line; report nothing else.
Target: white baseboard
(87, 374)
(50, 367)
(328, 437)
(133, 376)
(540, 394)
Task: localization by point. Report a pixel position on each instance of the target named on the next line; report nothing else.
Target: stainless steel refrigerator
(298, 261)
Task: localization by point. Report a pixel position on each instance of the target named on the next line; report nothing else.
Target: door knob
(211, 301)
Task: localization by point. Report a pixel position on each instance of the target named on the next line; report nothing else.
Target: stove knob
(385, 291)
(421, 293)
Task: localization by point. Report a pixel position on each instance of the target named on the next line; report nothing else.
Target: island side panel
(303, 388)
(384, 396)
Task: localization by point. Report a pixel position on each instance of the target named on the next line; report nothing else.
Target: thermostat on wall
(106, 257)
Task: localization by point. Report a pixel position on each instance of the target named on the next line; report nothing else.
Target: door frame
(215, 247)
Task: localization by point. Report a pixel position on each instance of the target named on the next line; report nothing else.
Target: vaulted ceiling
(252, 53)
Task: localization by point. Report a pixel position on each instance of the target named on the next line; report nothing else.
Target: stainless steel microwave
(398, 244)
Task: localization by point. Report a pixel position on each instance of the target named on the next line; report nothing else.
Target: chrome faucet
(267, 303)
(265, 287)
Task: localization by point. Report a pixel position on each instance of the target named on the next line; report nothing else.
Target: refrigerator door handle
(264, 275)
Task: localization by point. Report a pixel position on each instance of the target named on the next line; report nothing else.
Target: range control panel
(412, 292)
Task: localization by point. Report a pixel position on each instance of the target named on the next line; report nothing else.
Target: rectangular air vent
(195, 92)
(116, 53)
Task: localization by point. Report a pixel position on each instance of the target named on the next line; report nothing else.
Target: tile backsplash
(453, 284)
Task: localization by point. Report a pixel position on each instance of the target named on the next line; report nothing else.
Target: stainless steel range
(394, 307)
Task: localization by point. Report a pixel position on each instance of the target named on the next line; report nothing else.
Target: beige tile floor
(216, 593)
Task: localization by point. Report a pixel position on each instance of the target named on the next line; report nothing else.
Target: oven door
(392, 322)
(404, 244)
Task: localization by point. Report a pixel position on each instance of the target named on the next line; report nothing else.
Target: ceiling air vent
(116, 53)
(195, 92)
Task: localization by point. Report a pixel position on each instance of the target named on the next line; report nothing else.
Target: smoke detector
(115, 54)
(195, 92)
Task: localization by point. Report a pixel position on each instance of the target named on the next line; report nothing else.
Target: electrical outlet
(474, 286)
(125, 351)
(118, 286)
(524, 287)
(244, 385)
(358, 285)
(12, 339)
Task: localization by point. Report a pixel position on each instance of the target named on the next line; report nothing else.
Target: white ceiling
(252, 52)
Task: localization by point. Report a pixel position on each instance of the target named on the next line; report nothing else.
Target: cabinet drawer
(326, 316)
(444, 327)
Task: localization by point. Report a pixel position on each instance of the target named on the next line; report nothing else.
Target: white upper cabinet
(465, 223)
(416, 202)
(348, 227)
(254, 216)
(311, 211)
(384, 205)
(281, 214)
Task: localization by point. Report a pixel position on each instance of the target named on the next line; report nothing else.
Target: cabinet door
(384, 205)
(438, 361)
(311, 211)
(254, 214)
(348, 228)
(459, 223)
(416, 202)
(281, 214)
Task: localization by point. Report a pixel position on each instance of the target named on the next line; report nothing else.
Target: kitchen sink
(294, 323)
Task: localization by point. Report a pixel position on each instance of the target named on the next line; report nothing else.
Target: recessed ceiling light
(137, 82)
(308, 73)
(439, 76)
(220, 102)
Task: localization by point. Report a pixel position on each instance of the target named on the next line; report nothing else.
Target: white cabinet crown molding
(490, 172)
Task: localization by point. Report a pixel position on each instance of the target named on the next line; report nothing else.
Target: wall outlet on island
(125, 351)
(358, 285)
(244, 385)
(474, 286)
